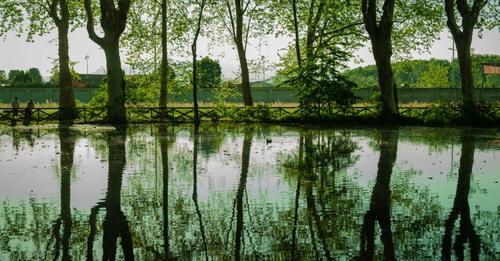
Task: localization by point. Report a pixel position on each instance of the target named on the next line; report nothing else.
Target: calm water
(249, 192)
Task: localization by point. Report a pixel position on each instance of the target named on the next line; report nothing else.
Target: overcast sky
(16, 53)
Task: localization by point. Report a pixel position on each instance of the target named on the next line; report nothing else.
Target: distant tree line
(433, 73)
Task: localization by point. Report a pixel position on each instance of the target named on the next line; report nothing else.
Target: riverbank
(442, 114)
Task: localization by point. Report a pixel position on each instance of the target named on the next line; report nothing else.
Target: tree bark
(164, 56)
(382, 52)
(66, 97)
(241, 48)
(116, 84)
(195, 65)
(296, 33)
(463, 40)
(113, 21)
(466, 78)
(380, 33)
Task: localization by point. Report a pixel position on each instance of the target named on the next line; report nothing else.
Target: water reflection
(67, 144)
(380, 203)
(252, 192)
(196, 141)
(466, 231)
(245, 161)
(115, 223)
(164, 144)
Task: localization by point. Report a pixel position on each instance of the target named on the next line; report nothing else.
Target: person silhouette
(15, 107)
(28, 111)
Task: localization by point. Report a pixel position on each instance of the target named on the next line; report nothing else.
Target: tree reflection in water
(466, 232)
(245, 161)
(163, 136)
(307, 200)
(67, 143)
(380, 204)
(196, 141)
(115, 224)
(316, 169)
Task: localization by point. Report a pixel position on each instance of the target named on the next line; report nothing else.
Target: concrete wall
(259, 94)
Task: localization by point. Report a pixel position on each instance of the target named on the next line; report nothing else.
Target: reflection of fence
(186, 114)
(259, 94)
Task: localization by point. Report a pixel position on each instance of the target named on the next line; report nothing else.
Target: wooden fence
(186, 114)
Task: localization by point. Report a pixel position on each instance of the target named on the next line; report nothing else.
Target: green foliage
(224, 92)
(3, 76)
(427, 73)
(34, 75)
(209, 73)
(435, 76)
(31, 17)
(442, 113)
(54, 72)
(30, 77)
(319, 85)
(100, 97)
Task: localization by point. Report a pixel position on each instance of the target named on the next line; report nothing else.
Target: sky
(16, 53)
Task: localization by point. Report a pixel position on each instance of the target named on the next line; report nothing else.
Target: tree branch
(90, 24)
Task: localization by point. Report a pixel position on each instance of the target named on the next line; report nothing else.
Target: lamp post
(452, 59)
(87, 57)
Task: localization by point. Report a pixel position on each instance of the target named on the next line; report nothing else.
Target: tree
(200, 5)
(434, 76)
(113, 21)
(54, 72)
(380, 36)
(18, 77)
(240, 19)
(462, 35)
(164, 55)
(329, 31)
(3, 76)
(416, 24)
(209, 73)
(43, 16)
(34, 75)
(155, 33)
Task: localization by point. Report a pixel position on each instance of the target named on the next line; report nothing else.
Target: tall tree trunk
(195, 65)
(113, 22)
(66, 97)
(116, 83)
(195, 86)
(296, 33)
(462, 35)
(164, 56)
(241, 48)
(380, 32)
(466, 79)
(382, 52)
(245, 77)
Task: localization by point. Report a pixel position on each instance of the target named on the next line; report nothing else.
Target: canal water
(255, 192)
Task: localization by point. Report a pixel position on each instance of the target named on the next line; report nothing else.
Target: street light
(452, 59)
(87, 57)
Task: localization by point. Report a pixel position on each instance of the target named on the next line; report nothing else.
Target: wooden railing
(186, 114)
